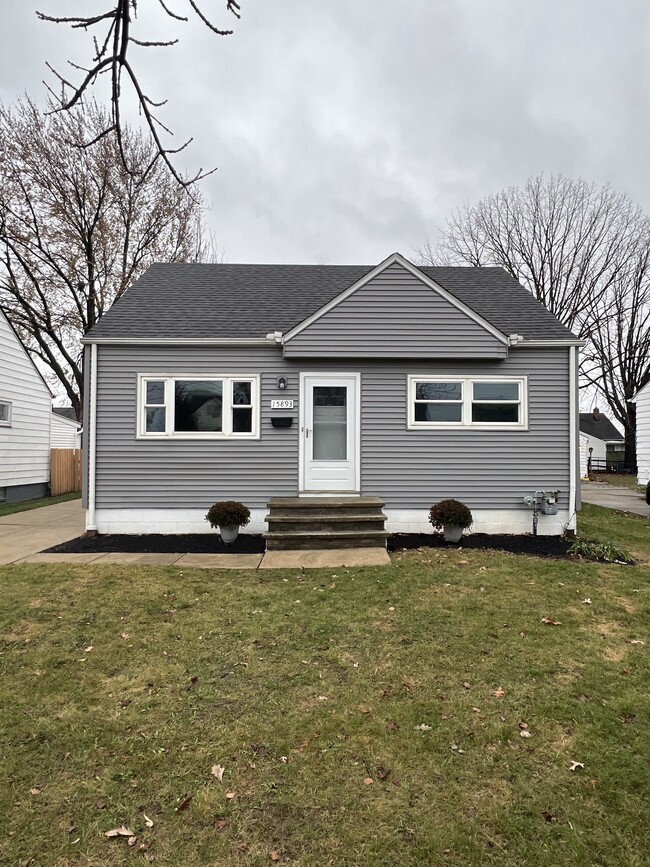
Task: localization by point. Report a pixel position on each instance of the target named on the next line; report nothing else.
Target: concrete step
(325, 505)
(321, 522)
(317, 540)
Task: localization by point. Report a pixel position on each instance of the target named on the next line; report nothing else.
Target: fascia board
(178, 341)
(396, 259)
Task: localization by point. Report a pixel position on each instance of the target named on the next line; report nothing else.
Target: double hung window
(5, 413)
(467, 402)
(198, 407)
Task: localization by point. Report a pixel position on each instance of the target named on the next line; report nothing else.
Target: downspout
(91, 522)
(573, 438)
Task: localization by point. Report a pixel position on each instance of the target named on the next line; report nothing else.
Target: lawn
(620, 480)
(27, 505)
(361, 716)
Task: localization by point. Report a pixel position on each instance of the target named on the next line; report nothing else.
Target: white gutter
(91, 523)
(573, 434)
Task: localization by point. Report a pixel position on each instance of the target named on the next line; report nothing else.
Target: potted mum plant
(228, 516)
(452, 517)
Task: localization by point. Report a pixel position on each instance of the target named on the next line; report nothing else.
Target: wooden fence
(65, 471)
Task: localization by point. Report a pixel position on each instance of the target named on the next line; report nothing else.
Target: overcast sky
(345, 130)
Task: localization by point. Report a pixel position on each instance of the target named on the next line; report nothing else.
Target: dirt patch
(536, 546)
(614, 654)
(24, 632)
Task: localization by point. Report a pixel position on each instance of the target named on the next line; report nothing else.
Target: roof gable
(601, 428)
(395, 310)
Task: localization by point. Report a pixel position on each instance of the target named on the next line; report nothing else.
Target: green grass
(26, 505)
(303, 684)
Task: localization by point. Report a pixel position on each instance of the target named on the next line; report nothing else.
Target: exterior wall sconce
(282, 382)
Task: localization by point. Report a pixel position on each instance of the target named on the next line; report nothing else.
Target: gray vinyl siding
(85, 455)
(395, 315)
(407, 468)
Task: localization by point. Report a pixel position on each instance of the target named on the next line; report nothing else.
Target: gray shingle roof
(600, 427)
(187, 300)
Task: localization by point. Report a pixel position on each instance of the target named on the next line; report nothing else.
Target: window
(5, 413)
(462, 402)
(198, 407)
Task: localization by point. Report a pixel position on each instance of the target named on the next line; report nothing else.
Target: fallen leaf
(368, 781)
(550, 622)
(523, 725)
(549, 816)
(284, 760)
(466, 685)
(71, 828)
(586, 601)
(34, 791)
(392, 726)
(89, 648)
(148, 822)
(635, 641)
(119, 832)
(423, 727)
(575, 765)
(26, 862)
(220, 824)
(132, 841)
(525, 734)
(499, 692)
(383, 773)
(274, 856)
(217, 771)
(125, 635)
(363, 708)
(476, 709)
(231, 795)
(184, 803)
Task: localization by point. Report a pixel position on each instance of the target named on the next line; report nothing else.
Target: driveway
(29, 532)
(621, 499)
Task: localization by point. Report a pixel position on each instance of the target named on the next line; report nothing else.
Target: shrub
(228, 513)
(603, 551)
(451, 512)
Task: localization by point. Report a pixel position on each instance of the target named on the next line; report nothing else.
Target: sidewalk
(29, 532)
(621, 499)
(25, 535)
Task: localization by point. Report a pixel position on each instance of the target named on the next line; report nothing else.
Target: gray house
(391, 384)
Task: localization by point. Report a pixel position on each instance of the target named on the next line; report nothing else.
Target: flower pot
(228, 534)
(452, 533)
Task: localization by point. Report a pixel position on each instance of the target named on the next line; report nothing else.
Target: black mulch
(207, 543)
(537, 546)
(190, 543)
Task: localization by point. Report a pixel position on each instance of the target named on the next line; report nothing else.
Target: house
(25, 411)
(400, 383)
(642, 400)
(65, 432)
(605, 444)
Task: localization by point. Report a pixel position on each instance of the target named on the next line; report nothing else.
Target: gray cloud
(343, 131)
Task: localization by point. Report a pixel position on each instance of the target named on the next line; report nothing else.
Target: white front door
(329, 430)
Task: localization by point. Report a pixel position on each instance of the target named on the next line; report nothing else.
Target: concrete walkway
(621, 499)
(25, 535)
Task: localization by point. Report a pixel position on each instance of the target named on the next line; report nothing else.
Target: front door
(330, 433)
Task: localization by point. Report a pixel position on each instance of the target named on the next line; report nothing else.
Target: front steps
(299, 523)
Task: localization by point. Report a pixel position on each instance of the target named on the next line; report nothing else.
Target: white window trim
(225, 434)
(7, 421)
(466, 402)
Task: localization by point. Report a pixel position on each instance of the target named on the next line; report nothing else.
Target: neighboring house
(25, 413)
(249, 382)
(642, 400)
(605, 444)
(584, 456)
(65, 432)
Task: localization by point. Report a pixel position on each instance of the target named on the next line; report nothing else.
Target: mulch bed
(207, 543)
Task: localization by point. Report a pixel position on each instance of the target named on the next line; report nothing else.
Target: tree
(111, 55)
(616, 361)
(567, 241)
(584, 252)
(76, 228)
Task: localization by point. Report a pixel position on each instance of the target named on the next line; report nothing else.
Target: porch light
(282, 382)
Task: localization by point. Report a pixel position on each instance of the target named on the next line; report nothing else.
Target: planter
(452, 533)
(228, 534)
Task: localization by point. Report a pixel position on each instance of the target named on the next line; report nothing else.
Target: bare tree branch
(76, 228)
(111, 53)
(584, 252)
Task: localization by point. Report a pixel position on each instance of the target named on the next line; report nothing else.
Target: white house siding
(64, 433)
(643, 434)
(25, 443)
(584, 455)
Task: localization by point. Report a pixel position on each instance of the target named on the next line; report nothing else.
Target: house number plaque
(281, 404)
